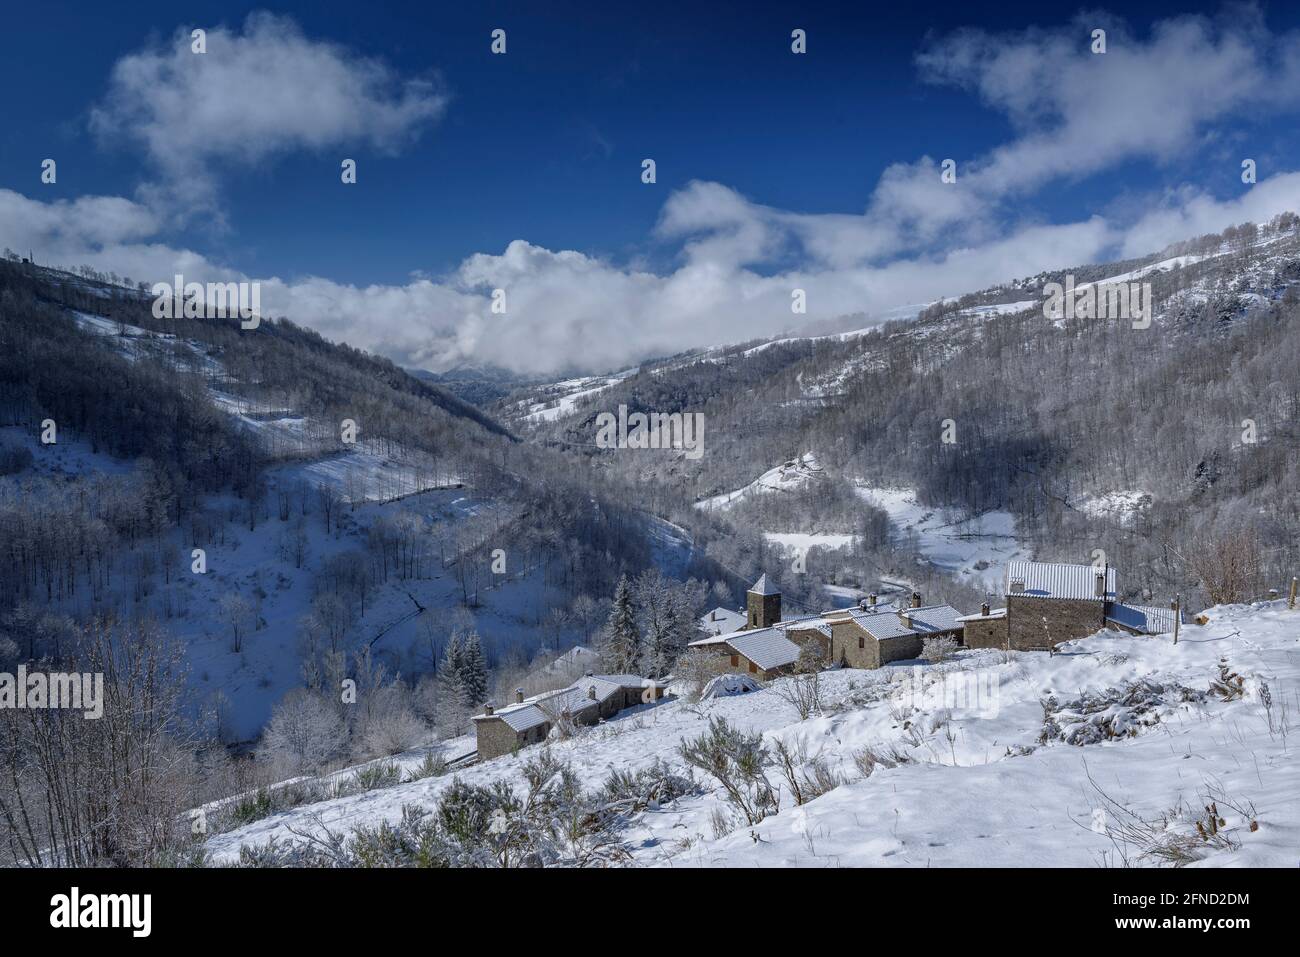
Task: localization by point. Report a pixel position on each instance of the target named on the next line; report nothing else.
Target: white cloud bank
(1075, 113)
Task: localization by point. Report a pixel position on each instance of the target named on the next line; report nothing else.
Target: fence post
(1178, 615)
(1291, 601)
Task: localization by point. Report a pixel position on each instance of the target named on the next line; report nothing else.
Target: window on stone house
(753, 668)
(735, 660)
(862, 641)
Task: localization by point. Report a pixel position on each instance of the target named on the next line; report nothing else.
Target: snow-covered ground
(67, 456)
(561, 398)
(972, 548)
(800, 542)
(1120, 506)
(787, 476)
(972, 775)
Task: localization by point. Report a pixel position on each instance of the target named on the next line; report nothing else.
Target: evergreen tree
(473, 667)
(620, 646)
(453, 701)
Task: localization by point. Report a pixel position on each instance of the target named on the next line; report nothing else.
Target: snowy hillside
(786, 477)
(973, 548)
(1107, 752)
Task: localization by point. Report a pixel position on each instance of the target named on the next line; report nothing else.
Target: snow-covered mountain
(1059, 436)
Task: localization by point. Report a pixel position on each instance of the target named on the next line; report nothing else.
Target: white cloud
(916, 239)
(253, 95)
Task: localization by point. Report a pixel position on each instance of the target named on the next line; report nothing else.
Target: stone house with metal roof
(1051, 602)
(587, 701)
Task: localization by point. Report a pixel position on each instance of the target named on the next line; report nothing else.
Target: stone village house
(587, 701)
(867, 636)
(1051, 602)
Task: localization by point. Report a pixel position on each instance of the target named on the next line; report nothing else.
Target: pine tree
(473, 671)
(620, 646)
(453, 701)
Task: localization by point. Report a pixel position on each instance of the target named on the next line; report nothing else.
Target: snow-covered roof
(519, 717)
(1148, 619)
(766, 647)
(993, 613)
(934, 618)
(816, 623)
(882, 627)
(878, 607)
(763, 587)
(577, 697)
(711, 640)
(624, 681)
(722, 621)
(1058, 580)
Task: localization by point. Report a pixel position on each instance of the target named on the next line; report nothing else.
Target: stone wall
(852, 646)
(496, 738)
(986, 633)
(1067, 619)
(900, 649)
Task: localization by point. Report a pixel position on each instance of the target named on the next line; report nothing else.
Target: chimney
(591, 692)
(519, 696)
(916, 599)
(1016, 586)
(488, 709)
(871, 599)
(984, 609)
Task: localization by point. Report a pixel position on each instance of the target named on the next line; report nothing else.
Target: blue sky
(770, 165)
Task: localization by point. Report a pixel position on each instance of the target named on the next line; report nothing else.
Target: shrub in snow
(434, 765)
(549, 821)
(935, 650)
(630, 791)
(738, 762)
(868, 759)
(1228, 685)
(370, 778)
(1177, 836)
(809, 776)
(1114, 713)
(803, 692)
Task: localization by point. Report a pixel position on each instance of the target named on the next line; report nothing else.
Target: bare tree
(1228, 565)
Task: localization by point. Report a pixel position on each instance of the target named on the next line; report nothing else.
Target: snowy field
(786, 477)
(974, 549)
(561, 398)
(1108, 751)
(801, 542)
(1121, 507)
